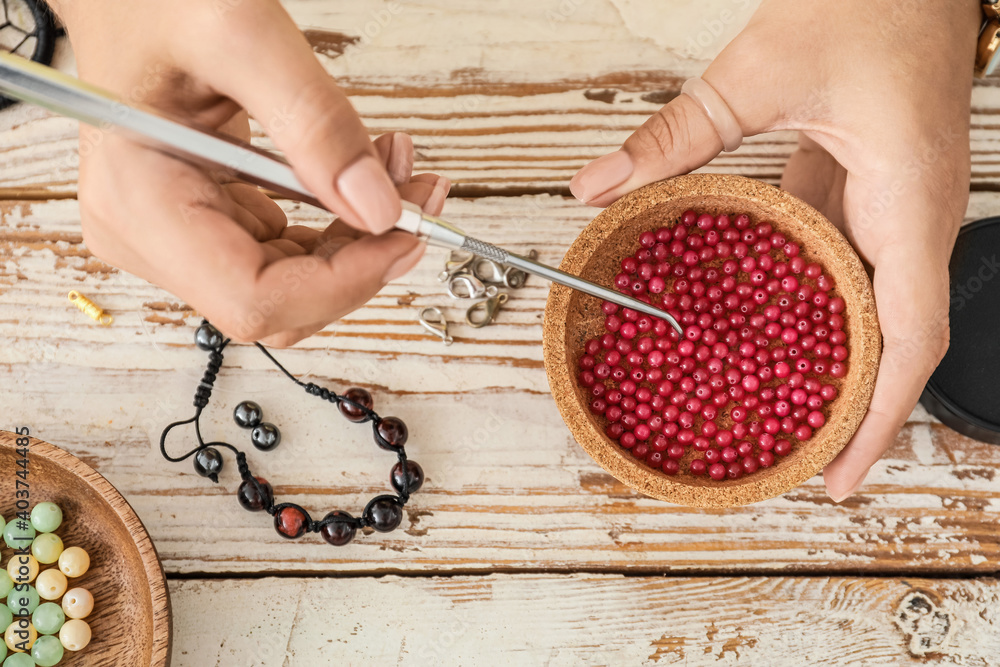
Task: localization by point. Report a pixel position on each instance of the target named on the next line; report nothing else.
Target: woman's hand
(880, 92)
(225, 247)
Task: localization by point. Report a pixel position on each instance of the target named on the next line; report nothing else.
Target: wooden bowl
(131, 617)
(571, 318)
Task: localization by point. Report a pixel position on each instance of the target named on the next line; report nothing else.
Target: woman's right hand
(224, 247)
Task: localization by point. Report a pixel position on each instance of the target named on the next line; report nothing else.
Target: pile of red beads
(762, 354)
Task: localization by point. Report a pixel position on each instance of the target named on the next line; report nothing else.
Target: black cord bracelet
(383, 513)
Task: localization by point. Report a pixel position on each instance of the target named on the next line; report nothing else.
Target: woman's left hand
(880, 94)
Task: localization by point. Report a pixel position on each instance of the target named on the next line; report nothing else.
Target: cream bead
(74, 561)
(74, 634)
(51, 584)
(22, 568)
(78, 603)
(17, 634)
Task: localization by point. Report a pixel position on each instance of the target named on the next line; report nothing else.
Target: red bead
(815, 420)
(290, 522)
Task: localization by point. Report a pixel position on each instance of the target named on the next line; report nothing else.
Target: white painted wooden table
(519, 549)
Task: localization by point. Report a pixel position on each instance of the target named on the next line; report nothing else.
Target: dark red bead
(360, 397)
(414, 477)
(255, 497)
(291, 522)
(338, 528)
(392, 433)
(383, 513)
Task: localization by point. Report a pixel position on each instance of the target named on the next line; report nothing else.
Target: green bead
(2, 522)
(6, 618)
(46, 517)
(18, 533)
(6, 583)
(48, 618)
(18, 660)
(47, 651)
(46, 548)
(21, 598)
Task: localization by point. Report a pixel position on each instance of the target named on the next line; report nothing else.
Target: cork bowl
(571, 318)
(131, 617)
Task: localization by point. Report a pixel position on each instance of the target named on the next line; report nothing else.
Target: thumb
(278, 79)
(676, 139)
(680, 137)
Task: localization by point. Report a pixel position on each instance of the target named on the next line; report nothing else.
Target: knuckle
(321, 115)
(659, 136)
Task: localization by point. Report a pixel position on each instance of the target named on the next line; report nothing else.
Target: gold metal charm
(92, 310)
(482, 313)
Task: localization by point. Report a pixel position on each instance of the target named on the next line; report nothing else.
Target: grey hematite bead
(207, 337)
(208, 462)
(248, 414)
(265, 436)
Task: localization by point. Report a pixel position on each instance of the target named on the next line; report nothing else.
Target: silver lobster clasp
(466, 286)
(515, 278)
(488, 271)
(434, 321)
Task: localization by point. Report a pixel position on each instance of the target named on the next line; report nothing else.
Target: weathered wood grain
(515, 107)
(507, 491)
(587, 620)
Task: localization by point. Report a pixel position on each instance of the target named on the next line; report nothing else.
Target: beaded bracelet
(383, 513)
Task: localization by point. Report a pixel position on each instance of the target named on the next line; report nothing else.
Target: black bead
(393, 433)
(248, 414)
(414, 474)
(353, 412)
(384, 513)
(207, 337)
(208, 462)
(255, 497)
(265, 436)
(338, 528)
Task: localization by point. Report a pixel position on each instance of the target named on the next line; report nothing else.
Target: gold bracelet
(988, 53)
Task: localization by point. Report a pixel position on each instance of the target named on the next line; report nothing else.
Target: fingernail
(367, 189)
(602, 175)
(851, 492)
(435, 202)
(400, 158)
(404, 263)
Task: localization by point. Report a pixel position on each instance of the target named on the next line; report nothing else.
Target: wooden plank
(586, 620)
(507, 487)
(515, 108)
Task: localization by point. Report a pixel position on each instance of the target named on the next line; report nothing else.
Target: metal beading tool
(68, 96)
